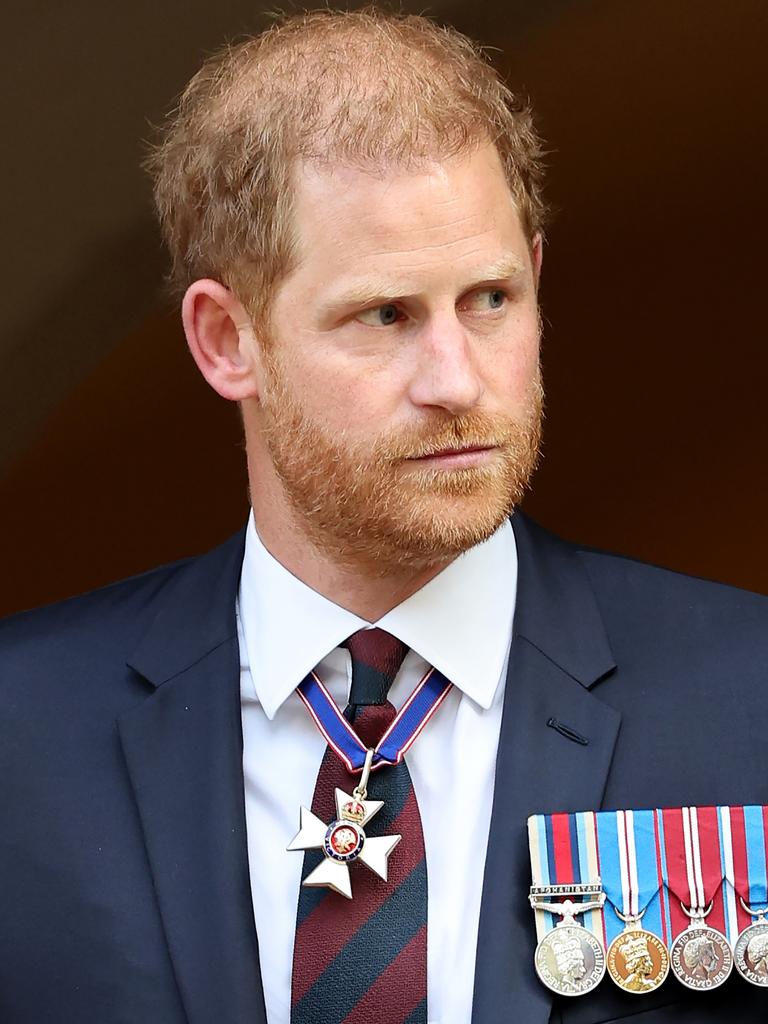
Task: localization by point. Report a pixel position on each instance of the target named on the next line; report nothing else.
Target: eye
(485, 300)
(380, 316)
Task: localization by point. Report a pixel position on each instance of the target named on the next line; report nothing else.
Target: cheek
(346, 401)
(511, 369)
(361, 396)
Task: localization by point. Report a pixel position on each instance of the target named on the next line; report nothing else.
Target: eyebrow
(371, 289)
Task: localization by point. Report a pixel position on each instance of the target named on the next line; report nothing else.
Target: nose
(446, 374)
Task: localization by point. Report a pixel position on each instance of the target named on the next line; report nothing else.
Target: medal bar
(590, 889)
(680, 891)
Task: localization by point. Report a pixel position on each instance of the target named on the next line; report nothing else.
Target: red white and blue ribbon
(628, 847)
(744, 860)
(620, 848)
(694, 865)
(400, 735)
(563, 851)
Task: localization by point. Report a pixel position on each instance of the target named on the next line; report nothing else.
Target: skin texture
(406, 335)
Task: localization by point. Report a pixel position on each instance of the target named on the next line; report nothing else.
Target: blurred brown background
(114, 456)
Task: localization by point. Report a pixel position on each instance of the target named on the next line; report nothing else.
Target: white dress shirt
(460, 622)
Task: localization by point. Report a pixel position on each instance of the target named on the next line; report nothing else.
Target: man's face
(402, 404)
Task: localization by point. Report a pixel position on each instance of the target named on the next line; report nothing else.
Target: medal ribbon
(399, 737)
(694, 864)
(745, 863)
(563, 850)
(628, 848)
(754, 826)
(654, 860)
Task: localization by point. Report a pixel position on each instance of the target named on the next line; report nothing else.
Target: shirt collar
(460, 622)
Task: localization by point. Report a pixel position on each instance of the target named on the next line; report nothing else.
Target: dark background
(115, 456)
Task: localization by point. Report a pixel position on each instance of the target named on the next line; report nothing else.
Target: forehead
(405, 222)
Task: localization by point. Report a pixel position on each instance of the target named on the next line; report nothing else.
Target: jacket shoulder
(649, 600)
(108, 616)
(645, 581)
(679, 617)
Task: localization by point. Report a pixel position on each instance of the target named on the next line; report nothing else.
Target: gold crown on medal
(633, 946)
(353, 810)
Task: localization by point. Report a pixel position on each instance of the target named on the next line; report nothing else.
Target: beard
(364, 504)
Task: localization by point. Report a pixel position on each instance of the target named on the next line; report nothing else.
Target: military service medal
(569, 960)
(637, 959)
(747, 873)
(570, 956)
(750, 954)
(700, 956)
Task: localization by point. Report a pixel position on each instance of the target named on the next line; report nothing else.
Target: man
(352, 204)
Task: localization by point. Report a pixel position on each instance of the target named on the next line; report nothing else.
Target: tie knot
(376, 658)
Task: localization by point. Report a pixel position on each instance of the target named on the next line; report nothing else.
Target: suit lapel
(183, 750)
(559, 650)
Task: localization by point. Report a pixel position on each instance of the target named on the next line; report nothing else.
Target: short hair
(365, 88)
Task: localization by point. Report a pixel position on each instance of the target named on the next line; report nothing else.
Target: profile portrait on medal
(756, 954)
(701, 957)
(340, 685)
(638, 964)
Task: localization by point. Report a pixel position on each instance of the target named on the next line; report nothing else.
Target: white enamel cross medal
(344, 840)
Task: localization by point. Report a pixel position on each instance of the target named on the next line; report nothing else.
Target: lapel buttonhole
(565, 730)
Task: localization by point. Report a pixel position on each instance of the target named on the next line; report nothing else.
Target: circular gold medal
(750, 954)
(570, 960)
(637, 961)
(701, 958)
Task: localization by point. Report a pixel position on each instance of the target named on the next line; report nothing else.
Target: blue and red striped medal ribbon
(399, 737)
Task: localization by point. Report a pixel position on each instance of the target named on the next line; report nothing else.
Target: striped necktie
(364, 960)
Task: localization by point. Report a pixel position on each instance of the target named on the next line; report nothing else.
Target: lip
(457, 458)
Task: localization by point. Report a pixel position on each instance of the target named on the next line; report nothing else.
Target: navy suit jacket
(124, 889)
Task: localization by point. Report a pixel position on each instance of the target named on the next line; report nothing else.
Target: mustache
(474, 430)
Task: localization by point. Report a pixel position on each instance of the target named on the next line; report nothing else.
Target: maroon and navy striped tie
(364, 960)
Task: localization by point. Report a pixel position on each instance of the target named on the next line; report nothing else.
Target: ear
(537, 255)
(222, 340)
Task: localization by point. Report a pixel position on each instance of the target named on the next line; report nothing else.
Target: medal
(744, 846)
(569, 960)
(750, 954)
(637, 958)
(344, 840)
(700, 956)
